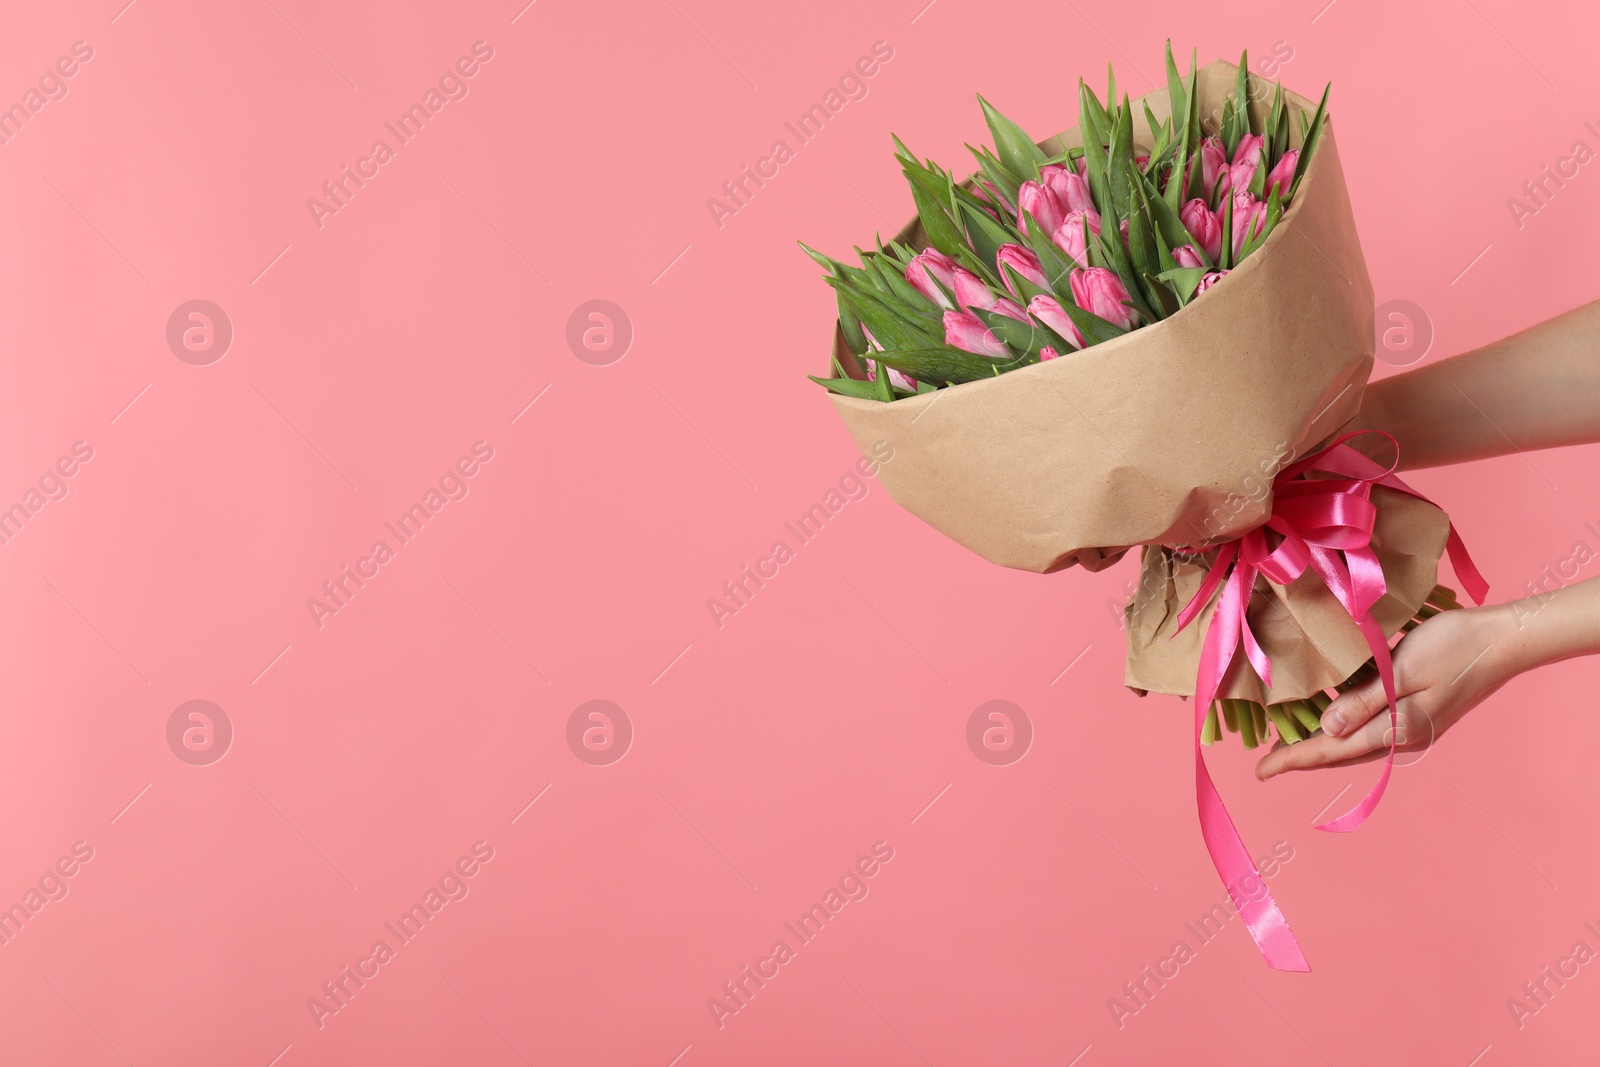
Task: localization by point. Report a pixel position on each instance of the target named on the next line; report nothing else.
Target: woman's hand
(1442, 670)
(1094, 559)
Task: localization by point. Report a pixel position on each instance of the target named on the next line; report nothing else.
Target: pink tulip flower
(965, 331)
(1282, 175)
(1208, 281)
(1204, 225)
(1047, 353)
(1213, 163)
(1070, 189)
(896, 378)
(1249, 218)
(1187, 256)
(925, 267)
(1248, 150)
(1238, 178)
(1024, 262)
(1009, 308)
(1040, 202)
(1048, 311)
(1100, 291)
(971, 292)
(1069, 235)
(1246, 158)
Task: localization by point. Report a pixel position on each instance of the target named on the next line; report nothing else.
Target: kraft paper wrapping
(1151, 437)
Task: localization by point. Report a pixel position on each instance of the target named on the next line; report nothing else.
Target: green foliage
(884, 319)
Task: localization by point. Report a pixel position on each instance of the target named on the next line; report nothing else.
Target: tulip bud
(1249, 217)
(1010, 309)
(1070, 189)
(1208, 281)
(1246, 157)
(1100, 291)
(1048, 311)
(1047, 353)
(1187, 256)
(1041, 203)
(1069, 235)
(1204, 225)
(1024, 262)
(971, 290)
(1248, 150)
(927, 265)
(965, 331)
(895, 377)
(1281, 177)
(1213, 163)
(1238, 177)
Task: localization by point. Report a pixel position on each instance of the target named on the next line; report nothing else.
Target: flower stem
(1306, 715)
(1247, 722)
(1284, 722)
(1228, 716)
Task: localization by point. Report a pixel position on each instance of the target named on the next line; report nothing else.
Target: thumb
(1353, 707)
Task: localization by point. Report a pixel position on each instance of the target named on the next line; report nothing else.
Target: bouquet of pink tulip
(1049, 253)
(1150, 334)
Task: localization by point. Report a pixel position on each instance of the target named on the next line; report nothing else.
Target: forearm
(1536, 389)
(1550, 626)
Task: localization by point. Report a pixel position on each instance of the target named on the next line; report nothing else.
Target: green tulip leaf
(1014, 147)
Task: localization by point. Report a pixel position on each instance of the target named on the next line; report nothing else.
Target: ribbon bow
(1324, 524)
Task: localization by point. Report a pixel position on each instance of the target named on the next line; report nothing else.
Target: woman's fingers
(1096, 559)
(1333, 760)
(1318, 751)
(1321, 750)
(1354, 707)
(1092, 559)
(1363, 743)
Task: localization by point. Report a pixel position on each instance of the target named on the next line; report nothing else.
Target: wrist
(1536, 631)
(1376, 414)
(1507, 632)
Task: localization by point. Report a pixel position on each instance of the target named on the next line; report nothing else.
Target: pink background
(830, 713)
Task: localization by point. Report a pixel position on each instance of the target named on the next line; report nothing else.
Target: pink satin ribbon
(1325, 524)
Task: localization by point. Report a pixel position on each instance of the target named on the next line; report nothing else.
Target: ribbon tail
(1472, 579)
(1262, 916)
(1380, 654)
